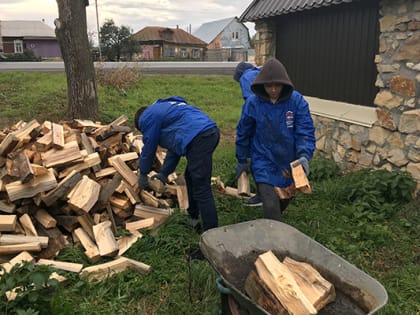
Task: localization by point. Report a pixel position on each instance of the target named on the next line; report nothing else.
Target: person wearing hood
(184, 130)
(275, 129)
(245, 74)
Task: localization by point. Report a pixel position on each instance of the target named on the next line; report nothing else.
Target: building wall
(44, 48)
(393, 140)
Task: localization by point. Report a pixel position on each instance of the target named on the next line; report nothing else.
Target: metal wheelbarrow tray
(232, 250)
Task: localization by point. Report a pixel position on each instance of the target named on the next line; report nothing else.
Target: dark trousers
(273, 206)
(198, 177)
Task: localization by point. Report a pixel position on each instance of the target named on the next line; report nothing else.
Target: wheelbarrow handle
(221, 287)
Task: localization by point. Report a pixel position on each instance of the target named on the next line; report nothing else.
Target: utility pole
(97, 27)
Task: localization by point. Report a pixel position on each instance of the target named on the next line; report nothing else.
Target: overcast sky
(134, 14)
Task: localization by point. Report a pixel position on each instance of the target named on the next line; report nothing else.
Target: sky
(135, 14)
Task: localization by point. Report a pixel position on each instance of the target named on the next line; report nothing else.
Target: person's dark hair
(137, 116)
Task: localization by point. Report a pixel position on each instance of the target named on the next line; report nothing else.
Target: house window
(235, 35)
(196, 53)
(18, 46)
(171, 52)
(183, 53)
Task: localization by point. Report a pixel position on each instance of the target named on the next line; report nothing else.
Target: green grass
(366, 217)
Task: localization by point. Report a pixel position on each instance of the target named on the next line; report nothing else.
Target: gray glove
(142, 181)
(160, 177)
(305, 164)
(240, 168)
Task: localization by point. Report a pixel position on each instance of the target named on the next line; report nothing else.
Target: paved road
(202, 68)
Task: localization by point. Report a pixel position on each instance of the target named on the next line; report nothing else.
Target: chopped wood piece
(105, 239)
(84, 195)
(260, 294)
(90, 160)
(140, 224)
(57, 136)
(8, 144)
(62, 188)
(125, 242)
(124, 170)
(17, 248)
(154, 210)
(25, 169)
(18, 259)
(91, 250)
(282, 283)
(27, 225)
(7, 206)
(17, 190)
(105, 172)
(69, 153)
(318, 290)
(244, 188)
(45, 219)
(149, 199)
(7, 222)
(102, 271)
(299, 177)
(62, 265)
(9, 239)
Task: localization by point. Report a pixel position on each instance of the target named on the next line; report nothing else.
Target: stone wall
(393, 142)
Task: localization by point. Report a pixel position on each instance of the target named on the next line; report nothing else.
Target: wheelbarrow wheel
(230, 306)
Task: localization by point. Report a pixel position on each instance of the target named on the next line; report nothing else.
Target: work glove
(142, 181)
(305, 164)
(160, 177)
(240, 168)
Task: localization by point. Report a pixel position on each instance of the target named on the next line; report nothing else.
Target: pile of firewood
(76, 182)
(288, 287)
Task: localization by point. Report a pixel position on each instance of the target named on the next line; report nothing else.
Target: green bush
(322, 169)
(27, 55)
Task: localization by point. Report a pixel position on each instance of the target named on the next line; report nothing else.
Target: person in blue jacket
(275, 129)
(184, 130)
(245, 73)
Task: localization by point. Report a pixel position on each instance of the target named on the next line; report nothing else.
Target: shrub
(322, 169)
(120, 78)
(27, 55)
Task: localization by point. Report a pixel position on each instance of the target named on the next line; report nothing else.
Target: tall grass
(365, 217)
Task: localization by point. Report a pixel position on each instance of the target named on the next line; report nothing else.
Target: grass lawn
(366, 217)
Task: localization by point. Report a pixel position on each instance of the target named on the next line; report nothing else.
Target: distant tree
(117, 41)
(71, 31)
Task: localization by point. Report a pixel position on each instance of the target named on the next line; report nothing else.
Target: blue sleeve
(305, 130)
(170, 163)
(244, 132)
(150, 140)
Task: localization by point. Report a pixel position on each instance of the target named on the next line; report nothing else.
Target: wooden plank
(16, 190)
(279, 279)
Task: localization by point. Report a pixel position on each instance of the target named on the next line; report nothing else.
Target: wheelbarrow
(232, 250)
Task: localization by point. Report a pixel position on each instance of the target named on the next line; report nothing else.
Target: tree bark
(71, 31)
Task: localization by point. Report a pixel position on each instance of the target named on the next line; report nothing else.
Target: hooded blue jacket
(274, 135)
(246, 80)
(172, 124)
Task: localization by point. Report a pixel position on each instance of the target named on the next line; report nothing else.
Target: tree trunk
(71, 31)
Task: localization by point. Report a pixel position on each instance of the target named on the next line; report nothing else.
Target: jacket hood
(240, 69)
(272, 72)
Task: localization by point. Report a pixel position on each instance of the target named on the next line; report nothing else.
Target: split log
(10, 239)
(140, 224)
(69, 153)
(105, 239)
(18, 259)
(61, 265)
(7, 222)
(125, 242)
(62, 188)
(57, 136)
(260, 294)
(27, 225)
(299, 177)
(318, 290)
(282, 283)
(91, 250)
(244, 187)
(18, 248)
(124, 170)
(45, 219)
(84, 195)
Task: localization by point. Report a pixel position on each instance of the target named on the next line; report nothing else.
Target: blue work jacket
(172, 124)
(273, 135)
(246, 80)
